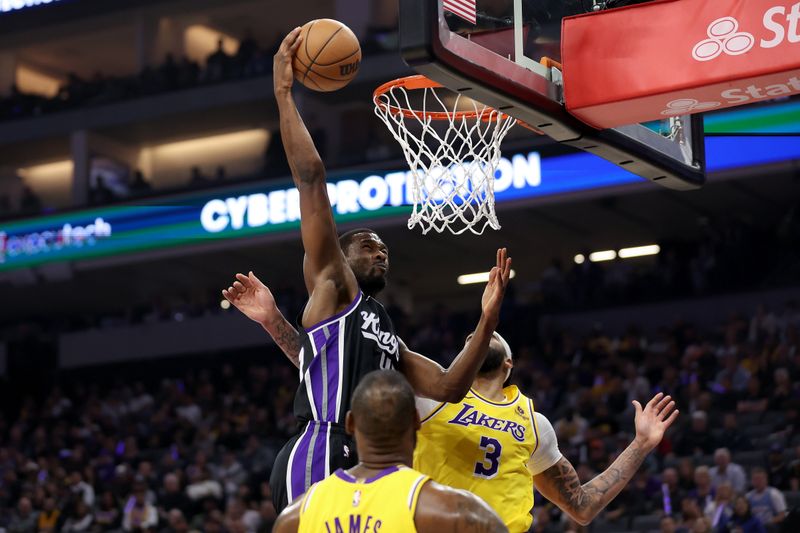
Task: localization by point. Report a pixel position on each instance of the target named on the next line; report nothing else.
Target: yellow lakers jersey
(384, 503)
(483, 447)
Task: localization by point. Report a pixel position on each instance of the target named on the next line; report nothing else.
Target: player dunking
(494, 444)
(346, 333)
(381, 493)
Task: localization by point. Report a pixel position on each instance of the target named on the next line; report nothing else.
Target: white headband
(507, 348)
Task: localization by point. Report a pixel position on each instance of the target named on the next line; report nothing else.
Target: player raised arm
(254, 299)
(560, 483)
(324, 266)
(432, 381)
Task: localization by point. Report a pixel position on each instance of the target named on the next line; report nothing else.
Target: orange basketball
(328, 57)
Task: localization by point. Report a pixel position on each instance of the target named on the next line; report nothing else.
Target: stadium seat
(602, 525)
(749, 459)
(756, 430)
(706, 460)
(773, 418)
(792, 499)
(748, 420)
(646, 523)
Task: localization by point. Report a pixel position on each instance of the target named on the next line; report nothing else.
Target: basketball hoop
(452, 146)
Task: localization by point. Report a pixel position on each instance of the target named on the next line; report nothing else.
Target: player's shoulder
(289, 520)
(445, 509)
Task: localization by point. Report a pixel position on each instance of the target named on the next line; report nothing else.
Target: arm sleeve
(547, 453)
(425, 406)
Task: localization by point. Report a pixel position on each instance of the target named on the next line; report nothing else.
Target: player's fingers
(668, 422)
(254, 278)
(295, 45)
(492, 277)
(654, 401)
(498, 260)
(507, 270)
(663, 403)
(666, 410)
(231, 293)
(290, 38)
(239, 287)
(244, 280)
(637, 407)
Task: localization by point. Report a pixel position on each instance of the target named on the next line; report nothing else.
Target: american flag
(465, 9)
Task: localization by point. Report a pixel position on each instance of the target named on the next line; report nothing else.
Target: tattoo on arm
(288, 339)
(587, 500)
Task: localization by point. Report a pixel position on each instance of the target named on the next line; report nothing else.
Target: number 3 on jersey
(491, 448)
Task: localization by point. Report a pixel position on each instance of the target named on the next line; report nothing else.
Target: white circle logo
(723, 36)
(683, 106)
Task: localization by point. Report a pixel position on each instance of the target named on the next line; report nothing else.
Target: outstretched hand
(654, 419)
(282, 72)
(496, 287)
(250, 296)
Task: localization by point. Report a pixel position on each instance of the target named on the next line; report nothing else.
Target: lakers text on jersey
(343, 504)
(484, 447)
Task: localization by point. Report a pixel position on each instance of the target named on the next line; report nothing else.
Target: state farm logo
(781, 25)
(685, 106)
(723, 37)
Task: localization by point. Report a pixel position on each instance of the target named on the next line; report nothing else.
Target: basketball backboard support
(493, 50)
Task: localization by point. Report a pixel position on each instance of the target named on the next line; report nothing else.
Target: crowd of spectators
(250, 60)
(712, 263)
(170, 449)
(174, 73)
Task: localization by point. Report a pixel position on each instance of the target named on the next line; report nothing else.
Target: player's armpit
(442, 509)
(424, 375)
(289, 520)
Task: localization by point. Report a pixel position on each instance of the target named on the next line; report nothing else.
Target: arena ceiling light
(605, 255)
(624, 253)
(640, 251)
(478, 277)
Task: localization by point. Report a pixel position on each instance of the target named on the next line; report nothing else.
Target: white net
(452, 146)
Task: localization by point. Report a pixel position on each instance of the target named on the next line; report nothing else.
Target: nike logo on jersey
(371, 329)
(469, 416)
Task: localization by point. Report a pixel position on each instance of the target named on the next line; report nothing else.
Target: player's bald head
(383, 408)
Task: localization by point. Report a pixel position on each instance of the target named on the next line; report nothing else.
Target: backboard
(506, 54)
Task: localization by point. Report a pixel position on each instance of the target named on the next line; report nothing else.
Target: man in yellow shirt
(382, 494)
(494, 444)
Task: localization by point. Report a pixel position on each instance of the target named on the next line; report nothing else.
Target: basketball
(328, 57)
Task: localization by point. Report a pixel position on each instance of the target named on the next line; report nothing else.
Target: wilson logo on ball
(350, 68)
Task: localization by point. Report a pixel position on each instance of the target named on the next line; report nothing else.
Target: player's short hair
(346, 238)
(383, 406)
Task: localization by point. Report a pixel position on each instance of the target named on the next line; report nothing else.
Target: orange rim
(417, 82)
